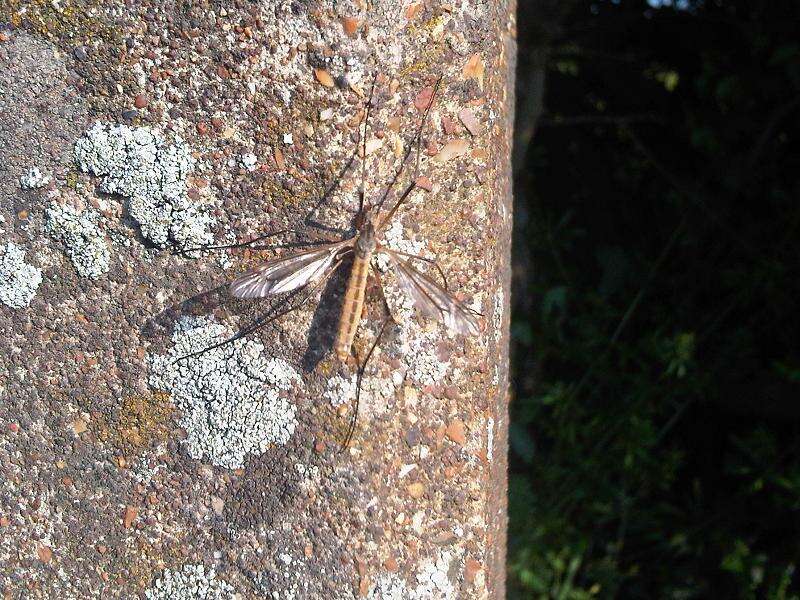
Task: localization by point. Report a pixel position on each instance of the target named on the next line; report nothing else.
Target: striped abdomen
(353, 304)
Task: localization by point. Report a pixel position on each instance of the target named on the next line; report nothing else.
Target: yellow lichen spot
(143, 420)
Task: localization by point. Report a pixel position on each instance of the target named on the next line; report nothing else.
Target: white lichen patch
(375, 392)
(434, 579)
(490, 439)
(248, 161)
(497, 314)
(424, 365)
(232, 398)
(393, 238)
(33, 179)
(433, 582)
(192, 582)
(85, 244)
(18, 280)
(140, 164)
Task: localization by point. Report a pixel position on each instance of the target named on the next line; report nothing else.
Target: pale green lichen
(192, 582)
(18, 280)
(85, 243)
(232, 399)
(140, 164)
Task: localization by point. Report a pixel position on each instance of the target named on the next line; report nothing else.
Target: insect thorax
(365, 244)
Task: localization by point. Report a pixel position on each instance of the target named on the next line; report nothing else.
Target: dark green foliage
(655, 437)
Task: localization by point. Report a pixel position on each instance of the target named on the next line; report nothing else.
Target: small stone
(79, 426)
(448, 125)
(5, 521)
(202, 127)
(363, 586)
(451, 392)
(413, 9)
(470, 121)
(474, 69)
(412, 436)
(350, 25)
(424, 98)
(102, 549)
(390, 564)
(140, 101)
(416, 490)
(279, 160)
(325, 114)
(453, 149)
(80, 53)
(471, 569)
(131, 512)
(45, 553)
(324, 78)
(218, 504)
(456, 432)
(130, 114)
(372, 145)
(424, 183)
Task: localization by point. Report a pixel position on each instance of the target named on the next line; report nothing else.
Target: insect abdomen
(353, 305)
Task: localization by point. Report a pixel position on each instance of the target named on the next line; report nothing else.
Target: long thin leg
(359, 377)
(263, 321)
(249, 243)
(361, 188)
(416, 138)
(309, 220)
(390, 214)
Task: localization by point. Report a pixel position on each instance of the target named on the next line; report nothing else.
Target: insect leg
(416, 138)
(249, 244)
(390, 214)
(359, 378)
(361, 188)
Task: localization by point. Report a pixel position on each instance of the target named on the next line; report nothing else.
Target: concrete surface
(131, 133)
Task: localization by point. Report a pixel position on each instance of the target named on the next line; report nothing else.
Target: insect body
(315, 266)
(353, 304)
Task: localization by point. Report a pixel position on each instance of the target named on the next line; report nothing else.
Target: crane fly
(313, 267)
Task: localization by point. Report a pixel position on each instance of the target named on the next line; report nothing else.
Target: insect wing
(433, 300)
(286, 273)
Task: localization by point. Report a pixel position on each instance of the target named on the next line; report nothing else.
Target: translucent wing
(287, 273)
(432, 300)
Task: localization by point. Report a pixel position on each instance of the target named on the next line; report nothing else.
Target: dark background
(654, 440)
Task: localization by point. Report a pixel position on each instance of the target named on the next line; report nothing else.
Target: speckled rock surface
(133, 133)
